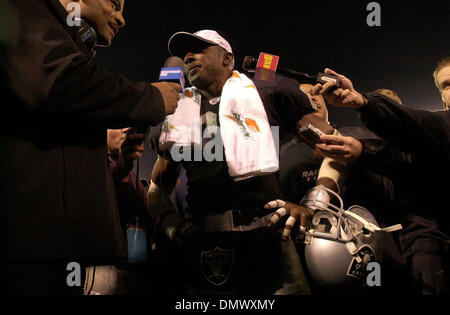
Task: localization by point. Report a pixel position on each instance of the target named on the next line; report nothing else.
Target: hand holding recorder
(345, 95)
(342, 149)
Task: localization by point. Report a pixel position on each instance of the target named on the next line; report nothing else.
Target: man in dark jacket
(420, 189)
(57, 199)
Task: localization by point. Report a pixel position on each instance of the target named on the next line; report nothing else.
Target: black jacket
(419, 158)
(57, 198)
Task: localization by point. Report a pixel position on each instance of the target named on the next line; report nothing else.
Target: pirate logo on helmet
(358, 265)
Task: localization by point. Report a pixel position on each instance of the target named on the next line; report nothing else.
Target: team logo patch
(166, 126)
(358, 265)
(252, 125)
(188, 93)
(245, 124)
(217, 265)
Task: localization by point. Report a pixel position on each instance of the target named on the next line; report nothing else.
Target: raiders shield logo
(358, 265)
(217, 265)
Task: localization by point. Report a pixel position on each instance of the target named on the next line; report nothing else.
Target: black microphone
(88, 36)
(250, 64)
(174, 62)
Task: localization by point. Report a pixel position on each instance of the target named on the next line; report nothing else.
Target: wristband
(316, 198)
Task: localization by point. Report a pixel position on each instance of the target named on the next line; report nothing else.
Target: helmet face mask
(340, 244)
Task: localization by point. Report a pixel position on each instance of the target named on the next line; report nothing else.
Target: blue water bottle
(137, 243)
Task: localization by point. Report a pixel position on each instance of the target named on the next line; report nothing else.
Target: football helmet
(340, 243)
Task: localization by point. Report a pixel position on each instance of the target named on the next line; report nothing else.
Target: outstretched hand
(342, 149)
(345, 95)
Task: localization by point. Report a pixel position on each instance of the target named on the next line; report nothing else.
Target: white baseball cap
(182, 42)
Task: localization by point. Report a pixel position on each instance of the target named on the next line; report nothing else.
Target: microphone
(266, 66)
(251, 64)
(88, 36)
(172, 71)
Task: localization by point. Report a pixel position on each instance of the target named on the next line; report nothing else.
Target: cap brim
(182, 42)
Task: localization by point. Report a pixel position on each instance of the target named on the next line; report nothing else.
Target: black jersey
(299, 168)
(210, 187)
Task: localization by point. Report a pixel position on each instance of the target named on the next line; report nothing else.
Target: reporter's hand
(131, 149)
(171, 95)
(296, 212)
(345, 95)
(342, 149)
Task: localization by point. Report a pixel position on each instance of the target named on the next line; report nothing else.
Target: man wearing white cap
(231, 241)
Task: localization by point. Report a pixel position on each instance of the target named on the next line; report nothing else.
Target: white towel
(249, 145)
(250, 148)
(183, 127)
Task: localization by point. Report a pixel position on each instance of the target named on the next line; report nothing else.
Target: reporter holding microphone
(419, 181)
(57, 199)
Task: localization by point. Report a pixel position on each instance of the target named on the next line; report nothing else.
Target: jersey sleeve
(285, 103)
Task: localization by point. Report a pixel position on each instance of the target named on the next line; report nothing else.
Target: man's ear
(228, 59)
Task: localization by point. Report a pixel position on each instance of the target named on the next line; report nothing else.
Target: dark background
(308, 36)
